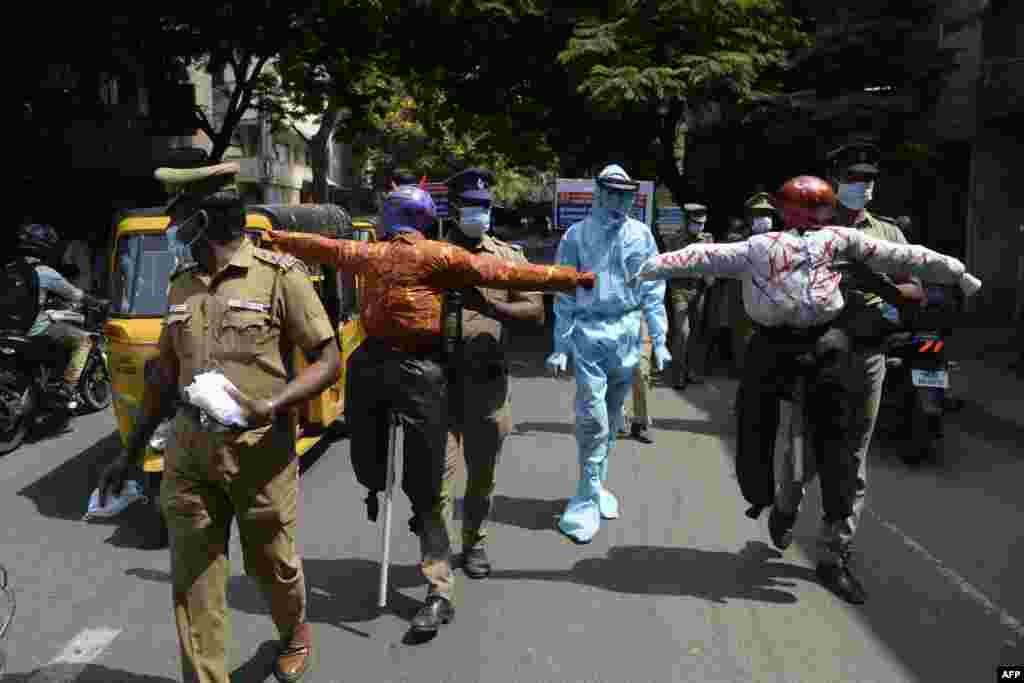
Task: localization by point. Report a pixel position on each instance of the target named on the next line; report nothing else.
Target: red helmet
(806, 201)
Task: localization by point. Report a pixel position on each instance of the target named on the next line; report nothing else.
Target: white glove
(661, 357)
(637, 277)
(208, 391)
(969, 284)
(556, 363)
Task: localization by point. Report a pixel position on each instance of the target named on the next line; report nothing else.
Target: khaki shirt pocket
(245, 335)
(180, 329)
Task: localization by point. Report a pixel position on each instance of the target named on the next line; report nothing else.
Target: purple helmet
(407, 208)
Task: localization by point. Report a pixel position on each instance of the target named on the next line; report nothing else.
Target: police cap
(195, 184)
(857, 158)
(472, 186)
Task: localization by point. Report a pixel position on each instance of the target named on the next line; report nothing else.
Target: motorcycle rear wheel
(94, 387)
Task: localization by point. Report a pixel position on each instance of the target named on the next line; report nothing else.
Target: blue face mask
(474, 221)
(855, 196)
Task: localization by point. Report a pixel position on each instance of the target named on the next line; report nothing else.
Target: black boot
(475, 563)
(640, 433)
(780, 526)
(436, 612)
(837, 577)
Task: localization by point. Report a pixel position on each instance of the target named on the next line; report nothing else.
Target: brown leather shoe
(295, 657)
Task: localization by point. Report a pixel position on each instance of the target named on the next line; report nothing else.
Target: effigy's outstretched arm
(461, 268)
(348, 256)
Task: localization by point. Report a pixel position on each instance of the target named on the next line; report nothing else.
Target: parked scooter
(31, 396)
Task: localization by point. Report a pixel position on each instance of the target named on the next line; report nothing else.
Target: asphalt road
(683, 588)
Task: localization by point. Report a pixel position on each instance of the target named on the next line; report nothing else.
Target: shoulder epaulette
(282, 261)
(184, 268)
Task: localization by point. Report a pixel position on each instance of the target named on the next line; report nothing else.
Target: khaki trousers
(209, 480)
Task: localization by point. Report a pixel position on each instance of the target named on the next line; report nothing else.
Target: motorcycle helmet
(407, 208)
(37, 239)
(805, 202)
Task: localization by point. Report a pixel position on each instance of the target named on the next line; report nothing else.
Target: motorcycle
(917, 378)
(94, 387)
(31, 385)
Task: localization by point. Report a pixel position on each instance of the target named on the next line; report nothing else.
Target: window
(142, 271)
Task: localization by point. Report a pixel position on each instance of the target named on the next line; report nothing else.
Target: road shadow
(672, 424)
(973, 419)
(535, 514)
(716, 576)
(90, 673)
(527, 427)
(260, 666)
(338, 592)
(62, 493)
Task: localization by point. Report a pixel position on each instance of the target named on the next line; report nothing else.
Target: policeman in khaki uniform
(867, 319)
(480, 424)
(239, 310)
(688, 298)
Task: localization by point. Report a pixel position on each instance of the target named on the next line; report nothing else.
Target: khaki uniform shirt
(682, 290)
(879, 228)
(485, 338)
(244, 320)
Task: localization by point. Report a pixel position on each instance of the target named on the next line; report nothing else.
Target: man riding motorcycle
(36, 244)
(793, 293)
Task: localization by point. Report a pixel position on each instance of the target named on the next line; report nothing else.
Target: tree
(242, 38)
(336, 82)
(662, 65)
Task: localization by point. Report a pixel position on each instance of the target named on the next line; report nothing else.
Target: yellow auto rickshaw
(140, 272)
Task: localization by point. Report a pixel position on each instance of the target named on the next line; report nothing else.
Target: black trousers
(382, 381)
(771, 359)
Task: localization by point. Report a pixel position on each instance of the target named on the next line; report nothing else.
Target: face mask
(613, 206)
(855, 196)
(761, 224)
(695, 227)
(183, 251)
(474, 221)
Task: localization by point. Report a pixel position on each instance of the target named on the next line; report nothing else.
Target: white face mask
(855, 196)
(474, 221)
(761, 224)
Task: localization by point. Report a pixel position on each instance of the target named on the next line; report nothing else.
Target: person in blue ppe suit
(600, 328)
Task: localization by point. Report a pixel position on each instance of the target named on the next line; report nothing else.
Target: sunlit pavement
(682, 588)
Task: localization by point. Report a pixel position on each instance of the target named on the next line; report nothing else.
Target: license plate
(938, 379)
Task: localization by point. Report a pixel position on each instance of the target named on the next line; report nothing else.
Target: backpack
(19, 297)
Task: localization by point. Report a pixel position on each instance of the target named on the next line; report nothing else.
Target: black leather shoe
(639, 433)
(838, 579)
(780, 526)
(475, 563)
(437, 611)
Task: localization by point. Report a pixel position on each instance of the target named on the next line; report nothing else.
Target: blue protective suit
(600, 328)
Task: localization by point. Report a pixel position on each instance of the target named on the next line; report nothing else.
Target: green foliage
(681, 50)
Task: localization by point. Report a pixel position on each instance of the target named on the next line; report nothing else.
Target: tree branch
(204, 122)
